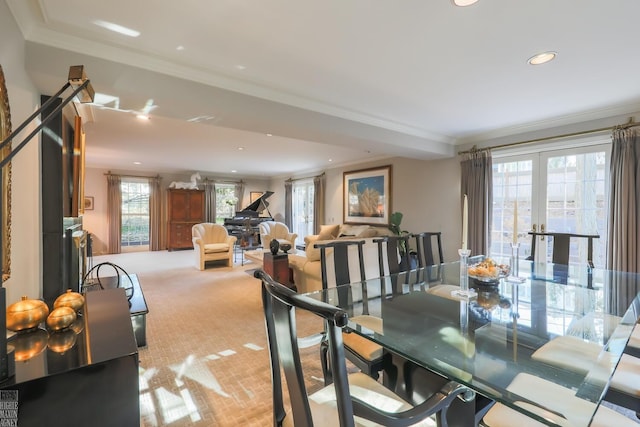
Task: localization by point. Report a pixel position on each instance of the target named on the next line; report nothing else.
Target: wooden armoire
(186, 208)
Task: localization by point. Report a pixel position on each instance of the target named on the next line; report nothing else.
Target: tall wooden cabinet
(186, 208)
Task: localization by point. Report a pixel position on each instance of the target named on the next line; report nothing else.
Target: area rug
(206, 362)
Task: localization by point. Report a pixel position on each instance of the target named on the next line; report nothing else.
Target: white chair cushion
(556, 398)
(634, 340)
(444, 291)
(626, 378)
(363, 387)
(569, 353)
(212, 248)
(366, 348)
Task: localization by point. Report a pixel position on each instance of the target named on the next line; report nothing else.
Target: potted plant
(394, 225)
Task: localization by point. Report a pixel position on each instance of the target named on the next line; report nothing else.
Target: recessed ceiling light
(234, 171)
(240, 148)
(117, 28)
(542, 58)
(463, 3)
(180, 47)
(137, 163)
(269, 134)
(143, 117)
(330, 160)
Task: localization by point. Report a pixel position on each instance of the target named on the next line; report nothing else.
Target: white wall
(426, 192)
(26, 256)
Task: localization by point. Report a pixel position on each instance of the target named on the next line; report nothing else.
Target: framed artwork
(367, 196)
(5, 225)
(88, 203)
(255, 195)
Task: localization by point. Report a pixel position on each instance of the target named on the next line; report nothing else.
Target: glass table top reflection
(487, 341)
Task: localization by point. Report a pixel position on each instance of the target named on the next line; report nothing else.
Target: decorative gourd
(60, 318)
(26, 314)
(70, 299)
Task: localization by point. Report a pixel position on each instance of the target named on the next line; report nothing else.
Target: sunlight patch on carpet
(226, 353)
(251, 346)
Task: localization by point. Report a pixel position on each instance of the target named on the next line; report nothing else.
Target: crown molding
(32, 23)
(556, 122)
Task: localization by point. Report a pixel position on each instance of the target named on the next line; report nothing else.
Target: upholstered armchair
(270, 230)
(211, 242)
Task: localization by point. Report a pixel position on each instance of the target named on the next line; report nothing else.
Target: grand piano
(249, 216)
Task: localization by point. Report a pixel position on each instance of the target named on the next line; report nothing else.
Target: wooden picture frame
(88, 203)
(255, 195)
(367, 196)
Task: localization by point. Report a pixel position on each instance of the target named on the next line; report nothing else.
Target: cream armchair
(211, 242)
(270, 230)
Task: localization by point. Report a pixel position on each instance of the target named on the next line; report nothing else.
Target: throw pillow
(352, 230)
(369, 232)
(313, 254)
(328, 232)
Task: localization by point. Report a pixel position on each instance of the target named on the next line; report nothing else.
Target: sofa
(307, 274)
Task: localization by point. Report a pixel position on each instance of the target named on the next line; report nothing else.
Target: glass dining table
(491, 342)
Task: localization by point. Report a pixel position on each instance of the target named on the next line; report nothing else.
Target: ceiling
(334, 82)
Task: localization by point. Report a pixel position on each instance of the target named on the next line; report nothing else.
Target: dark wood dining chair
(562, 246)
(367, 356)
(390, 263)
(336, 404)
(560, 256)
(428, 245)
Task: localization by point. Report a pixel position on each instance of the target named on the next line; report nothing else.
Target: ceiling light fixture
(542, 58)
(463, 3)
(180, 47)
(117, 28)
(269, 134)
(137, 163)
(143, 117)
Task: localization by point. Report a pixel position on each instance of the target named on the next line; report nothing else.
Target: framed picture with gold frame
(367, 196)
(88, 203)
(5, 227)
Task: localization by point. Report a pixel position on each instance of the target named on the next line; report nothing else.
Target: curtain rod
(132, 176)
(627, 125)
(300, 179)
(222, 181)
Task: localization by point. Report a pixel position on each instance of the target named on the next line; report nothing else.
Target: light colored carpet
(206, 362)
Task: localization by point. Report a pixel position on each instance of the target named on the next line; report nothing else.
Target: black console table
(91, 380)
(137, 304)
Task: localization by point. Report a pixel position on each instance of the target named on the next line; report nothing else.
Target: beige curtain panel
(114, 210)
(477, 184)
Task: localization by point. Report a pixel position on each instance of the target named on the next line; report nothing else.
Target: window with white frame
(303, 194)
(226, 202)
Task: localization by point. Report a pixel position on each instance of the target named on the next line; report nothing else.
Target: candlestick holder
(464, 292)
(514, 275)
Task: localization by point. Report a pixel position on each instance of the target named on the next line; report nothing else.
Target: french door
(303, 193)
(551, 191)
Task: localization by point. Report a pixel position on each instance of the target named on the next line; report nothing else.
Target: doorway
(553, 190)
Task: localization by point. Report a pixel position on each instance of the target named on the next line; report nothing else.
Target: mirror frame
(5, 130)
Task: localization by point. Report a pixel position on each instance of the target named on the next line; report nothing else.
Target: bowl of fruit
(488, 271)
